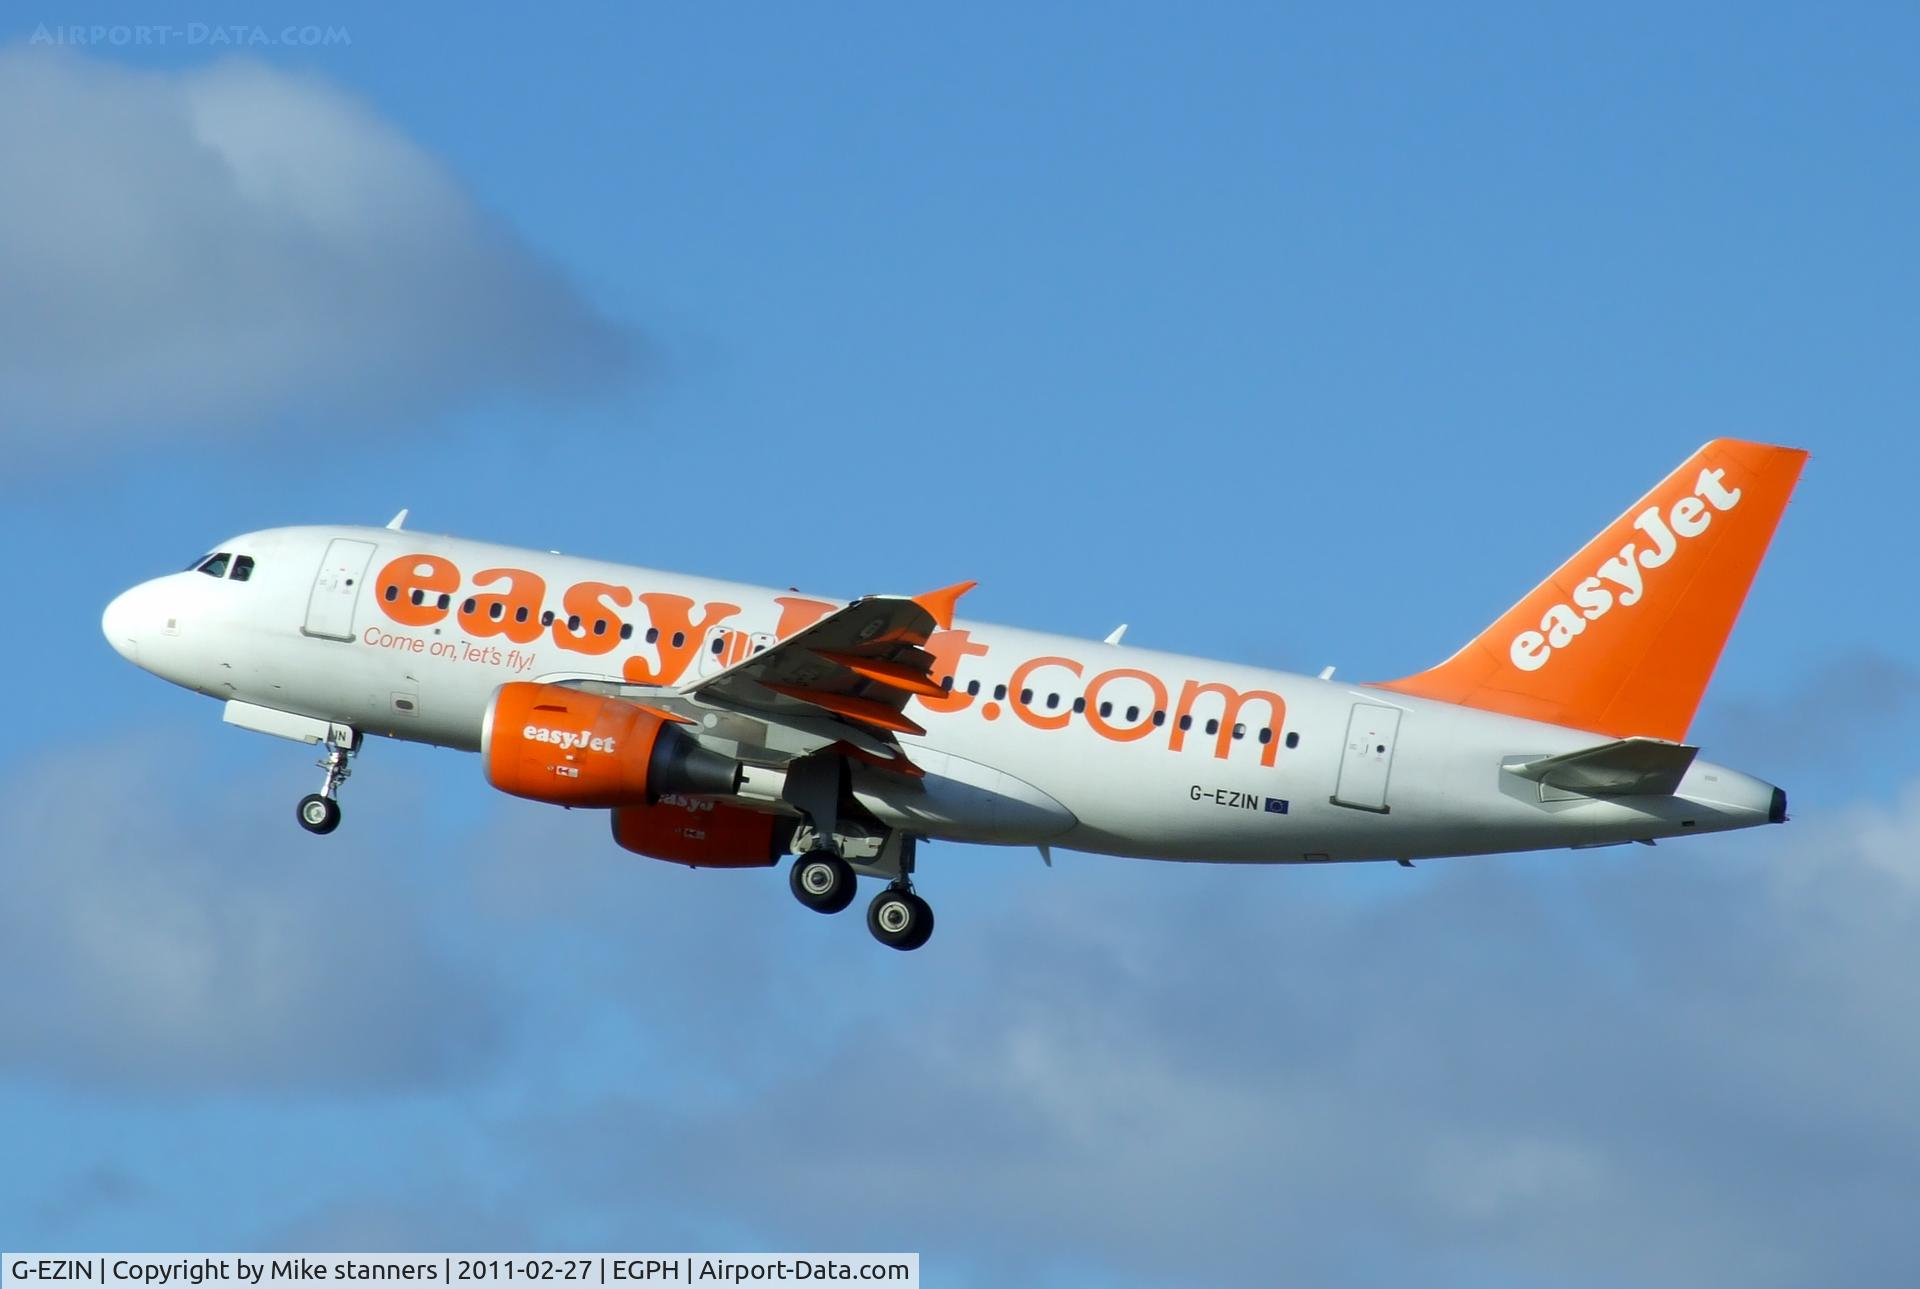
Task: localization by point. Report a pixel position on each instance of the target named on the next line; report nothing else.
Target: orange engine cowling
(568, 748)
(702, 834)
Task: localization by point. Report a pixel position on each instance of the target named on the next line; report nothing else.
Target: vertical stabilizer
(1623, 638)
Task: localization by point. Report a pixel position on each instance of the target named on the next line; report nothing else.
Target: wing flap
(854, 670)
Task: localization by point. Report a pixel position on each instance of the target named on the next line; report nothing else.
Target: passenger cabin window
(242, 568)
(626, 630)
(216, 565)
(653, 635)
(1293, 739)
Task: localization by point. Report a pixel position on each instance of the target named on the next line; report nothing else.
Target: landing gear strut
(823, 880)
(897, 917)
(319, 812)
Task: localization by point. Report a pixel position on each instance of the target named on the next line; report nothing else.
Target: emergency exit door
(1367, 760)
(336, 587)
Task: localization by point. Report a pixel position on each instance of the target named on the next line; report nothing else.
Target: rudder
(1623, 638)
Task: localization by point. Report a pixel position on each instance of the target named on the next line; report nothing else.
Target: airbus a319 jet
(724, 726)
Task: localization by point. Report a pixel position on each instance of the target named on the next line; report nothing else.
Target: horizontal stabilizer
(1632, 767)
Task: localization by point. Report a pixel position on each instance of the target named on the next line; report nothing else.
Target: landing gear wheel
(822, 881)
(318, 814)
(900, 919)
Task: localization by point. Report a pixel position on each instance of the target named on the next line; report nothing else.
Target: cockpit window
(216, 565)
(242, 568)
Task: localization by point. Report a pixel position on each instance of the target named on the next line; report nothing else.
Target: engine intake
(569, 748)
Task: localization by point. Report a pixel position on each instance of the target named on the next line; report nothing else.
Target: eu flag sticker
(1275, 806)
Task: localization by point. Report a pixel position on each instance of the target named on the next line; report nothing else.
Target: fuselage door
(1367, 758)
(336, 588)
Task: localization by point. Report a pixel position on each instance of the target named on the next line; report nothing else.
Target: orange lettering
(679, 636)
(1232, 700)
(948, 648)
(599, 629)
(797, 613)
(409, 589)
(515, 614)
(1123, 733)
(1016, 685)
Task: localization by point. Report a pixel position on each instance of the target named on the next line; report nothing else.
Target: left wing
(852, 672)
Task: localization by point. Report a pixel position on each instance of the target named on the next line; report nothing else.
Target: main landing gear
(826, 883)
(900, 919)
(319, 812)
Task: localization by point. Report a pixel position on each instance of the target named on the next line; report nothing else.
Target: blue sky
(1292, 337)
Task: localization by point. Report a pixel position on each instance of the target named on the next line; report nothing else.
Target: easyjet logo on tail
(1621, 579)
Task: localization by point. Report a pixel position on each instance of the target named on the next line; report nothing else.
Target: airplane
(724, 725)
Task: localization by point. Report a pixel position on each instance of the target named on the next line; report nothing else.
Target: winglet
(941, 603)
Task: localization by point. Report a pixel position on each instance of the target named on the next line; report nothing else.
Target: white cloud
(238, 246)
(163, 930)
(1647, 1067)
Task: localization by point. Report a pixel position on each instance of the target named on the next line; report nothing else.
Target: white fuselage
(1110, 749)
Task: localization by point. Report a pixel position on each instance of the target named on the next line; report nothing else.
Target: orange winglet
(941, 603)
(897, 674)
(898, 765)
(864, 710)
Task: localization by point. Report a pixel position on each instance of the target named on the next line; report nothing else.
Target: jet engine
(703, 833)
(568, 748)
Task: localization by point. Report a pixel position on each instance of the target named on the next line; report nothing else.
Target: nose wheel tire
(900, 919)
(318, 814)
(822, 881)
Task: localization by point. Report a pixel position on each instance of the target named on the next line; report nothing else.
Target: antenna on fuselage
(399, 521)
(1113, 637)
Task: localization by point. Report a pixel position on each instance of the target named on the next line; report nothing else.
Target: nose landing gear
(319, 812)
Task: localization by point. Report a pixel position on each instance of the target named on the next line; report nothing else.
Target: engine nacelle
(702, 834)
(569, 748)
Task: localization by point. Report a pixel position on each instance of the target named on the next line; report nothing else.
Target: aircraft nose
(121, 624)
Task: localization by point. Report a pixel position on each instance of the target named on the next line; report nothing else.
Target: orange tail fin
(1623, 637)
